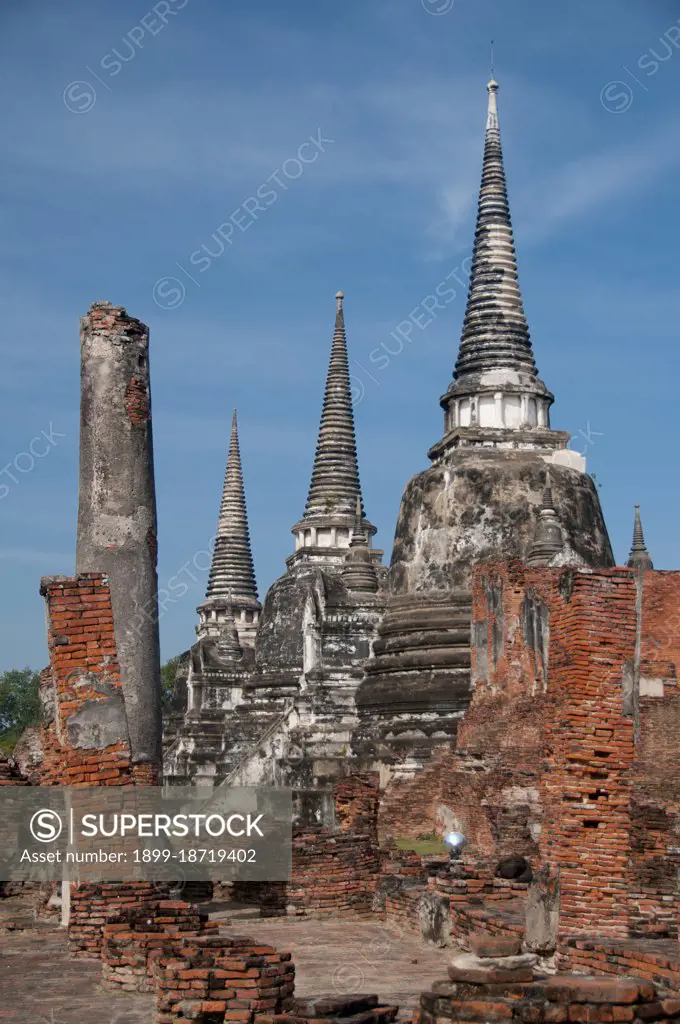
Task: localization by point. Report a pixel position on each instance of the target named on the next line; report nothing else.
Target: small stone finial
(339, 296)
(547, 501)
(492, 107)
(359, 537)
(358, 572)
(228, 642)
(548, 538)
(639, 557)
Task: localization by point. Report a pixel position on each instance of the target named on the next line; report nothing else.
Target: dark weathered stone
(323, 533)
(542, 912)
(117, 505)
(480, 507)
(639, 557)
(435, 919)
(282, 711)
(484, 944)
(516, 868)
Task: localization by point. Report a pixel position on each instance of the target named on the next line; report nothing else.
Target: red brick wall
(488, 788)
(655, 809)
(332, 869)
(586, 783)
(87, 743)
(84, 671)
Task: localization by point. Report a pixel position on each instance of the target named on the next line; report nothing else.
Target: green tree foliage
(168, 680)
(19, 704)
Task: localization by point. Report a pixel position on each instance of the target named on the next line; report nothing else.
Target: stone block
(574, 988)
(483, 944)
(335, 1006)
(466, 967)
(542, 912)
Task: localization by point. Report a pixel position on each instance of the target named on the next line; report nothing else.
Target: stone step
(456, 657)
(398, 643)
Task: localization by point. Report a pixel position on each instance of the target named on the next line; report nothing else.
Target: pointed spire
(335, 477)
(359, 572)
(639, 557)
(323, 533)
(495, 330)
(232, 569)
(231, 583)
(495, 384)
(548, 538)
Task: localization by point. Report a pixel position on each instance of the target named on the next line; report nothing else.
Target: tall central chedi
(479, 501)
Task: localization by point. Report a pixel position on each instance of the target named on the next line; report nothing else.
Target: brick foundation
(135, 931)
(92, 906)
(561, 998)
(334, 870)
(221, 979)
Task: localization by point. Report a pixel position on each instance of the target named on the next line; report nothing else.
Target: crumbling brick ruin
(503, 679)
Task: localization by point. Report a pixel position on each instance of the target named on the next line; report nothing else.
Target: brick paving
(39, 984)
(352, 955)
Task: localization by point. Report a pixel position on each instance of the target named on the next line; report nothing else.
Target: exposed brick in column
(88, 741)
(589, 751)
(655, 810)
(356, 804)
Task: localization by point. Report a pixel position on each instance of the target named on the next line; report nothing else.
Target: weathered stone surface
(542, 912)
(117, 530)
(469, 962)
(481, 506)
(483, 944)
(335, 1006)
(435, 919)
(98, 724)
(479, 975)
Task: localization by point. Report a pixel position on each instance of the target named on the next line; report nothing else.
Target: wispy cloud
(595, 181)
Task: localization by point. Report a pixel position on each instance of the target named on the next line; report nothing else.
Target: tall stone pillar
(117, 506)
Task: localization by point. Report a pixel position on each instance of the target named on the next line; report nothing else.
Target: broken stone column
(117, 506)
(543, 912)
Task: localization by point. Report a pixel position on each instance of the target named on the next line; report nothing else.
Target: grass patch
(422, 846)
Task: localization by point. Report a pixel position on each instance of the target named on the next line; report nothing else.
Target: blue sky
(128, 141)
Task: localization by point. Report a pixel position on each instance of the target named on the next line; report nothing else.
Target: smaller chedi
(266, 694)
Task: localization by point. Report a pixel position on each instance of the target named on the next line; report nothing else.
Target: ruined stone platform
(41, 985)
